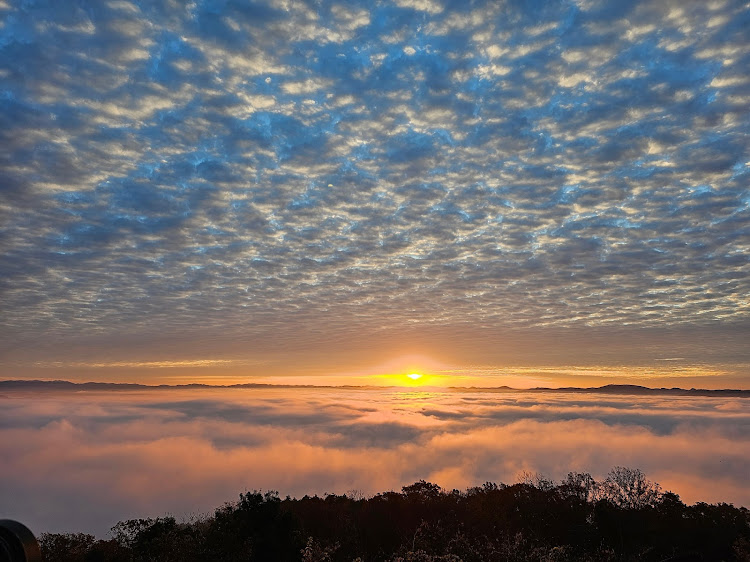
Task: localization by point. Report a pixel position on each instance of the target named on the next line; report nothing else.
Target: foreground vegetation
(624, 517)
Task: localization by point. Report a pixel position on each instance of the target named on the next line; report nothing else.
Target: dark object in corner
(17, 543)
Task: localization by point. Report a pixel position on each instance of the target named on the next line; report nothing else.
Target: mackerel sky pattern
(228, 167)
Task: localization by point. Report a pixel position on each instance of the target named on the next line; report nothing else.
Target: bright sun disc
(414, 376)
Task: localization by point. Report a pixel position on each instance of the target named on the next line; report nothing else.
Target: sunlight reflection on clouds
(81, 461)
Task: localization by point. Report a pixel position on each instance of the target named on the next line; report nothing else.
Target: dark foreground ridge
(60, 385)
(624, 517)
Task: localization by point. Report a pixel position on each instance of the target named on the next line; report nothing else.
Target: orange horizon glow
(402, 371)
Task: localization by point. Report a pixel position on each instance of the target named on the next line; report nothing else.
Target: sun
(413, 378)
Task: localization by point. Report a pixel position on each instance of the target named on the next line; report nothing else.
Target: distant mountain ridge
(68, 385)
(637, 389)
(633, 389)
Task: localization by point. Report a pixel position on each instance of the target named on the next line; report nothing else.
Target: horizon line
(609, 388)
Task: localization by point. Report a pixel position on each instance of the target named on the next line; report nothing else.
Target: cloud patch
(81, 461)
(520, 164)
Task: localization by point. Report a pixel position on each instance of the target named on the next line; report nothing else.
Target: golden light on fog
(414, 376)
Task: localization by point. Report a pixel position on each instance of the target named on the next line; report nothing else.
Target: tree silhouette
(623, 517)
(629, 488)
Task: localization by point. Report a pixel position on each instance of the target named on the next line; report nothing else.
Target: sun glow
(413, 378)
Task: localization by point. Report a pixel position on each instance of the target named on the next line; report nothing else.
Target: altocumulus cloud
(244, 166)
(81, 461)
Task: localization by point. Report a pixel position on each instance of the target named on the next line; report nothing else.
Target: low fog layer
(82, 461)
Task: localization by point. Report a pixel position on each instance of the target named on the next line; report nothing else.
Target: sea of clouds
(81, 461)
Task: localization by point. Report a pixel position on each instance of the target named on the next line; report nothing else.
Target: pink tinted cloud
(81, 462)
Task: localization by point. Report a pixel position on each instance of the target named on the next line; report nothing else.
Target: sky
(82, 461)
(516, 192)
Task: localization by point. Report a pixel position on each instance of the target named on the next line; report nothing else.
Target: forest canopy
(623, 517)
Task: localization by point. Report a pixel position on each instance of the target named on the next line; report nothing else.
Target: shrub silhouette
(623, 517)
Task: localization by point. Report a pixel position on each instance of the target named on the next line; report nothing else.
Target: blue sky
(237, 181)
